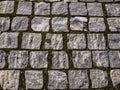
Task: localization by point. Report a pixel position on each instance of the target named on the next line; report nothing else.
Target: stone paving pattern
(60, 44)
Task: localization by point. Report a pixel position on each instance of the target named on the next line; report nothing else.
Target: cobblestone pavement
(60, 44)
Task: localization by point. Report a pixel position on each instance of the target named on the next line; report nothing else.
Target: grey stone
(88, 0)
(4, 24)
(100, 58)
(60, 60)
(9, 79)
(113, 9)
(34, 79)
(38, 59)
(78, 79)
(114, 41)
(96, 41)
(117, 0)
(6, 7)
(114, 57)
(60, 8)
(99, 78)
(82, 59)
(40, 24)
(57, 80)
(76, 41)
(42, 8)
(24, 8)
(19, 23)
(115, 76)
(59, 24)
(54, 41)
(77, 8)
(96, 25)
(78, 23)
(70, 0)
(2, 58)
(52, 0)
(105, 0)
(9, 40)
(114, 24)
(18, 59)
(95, 9)
(31, 40)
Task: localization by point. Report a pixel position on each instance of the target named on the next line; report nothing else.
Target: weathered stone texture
(2, 58)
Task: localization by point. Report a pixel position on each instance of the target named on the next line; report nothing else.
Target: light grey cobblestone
(2, 58)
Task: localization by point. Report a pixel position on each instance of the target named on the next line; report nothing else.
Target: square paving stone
(60, 8)
(6, 7)
(54, 41)
(2, 58)
(40, 24)
(113, 9)
(57, 80)
(31, 40)
(59, 24)
(9, 79)
(42, 8)
(24, 8)
(100, 58)
(18, 59)
(38, 59)
(76, 41)
(99, 78)
(78, 79)
(9, 40)
(77, 8)
(96, 41)
(114, 57)
(95, 9)
(78, 23)
(96, 25)
(19, 23)
(114, 24)
(34, 79)
(115, 76)
(114, 41)
(60, 60)
(82, 59)
(4, 24)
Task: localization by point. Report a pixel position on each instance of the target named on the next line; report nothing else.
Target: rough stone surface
(76, 41)
(9, 40)
(52, 0)
(100, 58)
(57, 80)
(78, 24)
(96, 25)
(4, 24)
(78, 79)
(60, 60)
(38, 59)
(88, 0)
(70, 0)
(96, 41)
(6, 7)
(31, 41)
(18, 59)
(34, 79)
(54, 41)
(2, 58)
(40, 24)
(105, 0)
(59, 24)
(99, 78)
(19, 23)
(82, 59)
(114, 57)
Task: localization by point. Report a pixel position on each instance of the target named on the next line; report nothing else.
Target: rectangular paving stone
(33, 79)
(105, 0)
(88, 0)
(9, 40)
(17, 59)
(38, 59)
(78, 79)
(70, 0)
(2, 58)
(6, 7)
(114, 41)
(31, 40)
(52, 0)
(9, 79)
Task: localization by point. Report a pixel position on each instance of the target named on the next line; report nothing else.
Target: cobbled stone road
(60, 44)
